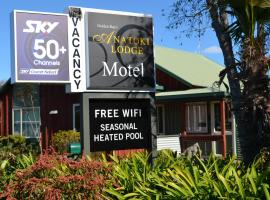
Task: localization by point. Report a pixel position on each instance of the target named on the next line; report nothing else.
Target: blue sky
(208, 45)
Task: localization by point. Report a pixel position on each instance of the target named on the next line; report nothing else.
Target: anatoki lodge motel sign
(92, 51)
(119, 51)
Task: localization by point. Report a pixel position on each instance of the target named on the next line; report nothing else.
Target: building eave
(192, 95)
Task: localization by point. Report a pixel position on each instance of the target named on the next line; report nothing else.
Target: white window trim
(73, 114)
(162, 106)
(21, 122)
(187, 115)
(13, 121)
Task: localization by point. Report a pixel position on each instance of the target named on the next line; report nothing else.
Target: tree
(242, 23)
(250, 30)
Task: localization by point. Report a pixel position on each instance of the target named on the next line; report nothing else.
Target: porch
(196, 115)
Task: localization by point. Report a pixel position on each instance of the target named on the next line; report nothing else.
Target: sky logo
(39, 26)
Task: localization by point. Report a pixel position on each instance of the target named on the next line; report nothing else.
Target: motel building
(189, 108)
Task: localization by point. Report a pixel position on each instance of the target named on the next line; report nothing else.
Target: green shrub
(8, 168)
(61, 139)
(16, 152)
(173, 177)
(12, 140)
(14, 145)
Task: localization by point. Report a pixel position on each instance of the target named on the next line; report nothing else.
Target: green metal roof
(189, 68)
(202, 93)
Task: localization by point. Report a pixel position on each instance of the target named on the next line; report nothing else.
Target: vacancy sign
(41, 47)
(77, 54)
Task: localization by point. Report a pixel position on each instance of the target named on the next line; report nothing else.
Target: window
(160, 119)
(216, 128)
(228, 118)
(196, 117)
(76, 117)
(26, 121)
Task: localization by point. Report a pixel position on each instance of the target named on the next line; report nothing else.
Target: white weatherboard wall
(169, 142)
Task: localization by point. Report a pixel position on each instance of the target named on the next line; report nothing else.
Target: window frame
(213, 130)
(21, 122)
(216, 132)
(73, 115)
(187, 123)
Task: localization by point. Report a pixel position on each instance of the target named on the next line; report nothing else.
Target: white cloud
(212, 50)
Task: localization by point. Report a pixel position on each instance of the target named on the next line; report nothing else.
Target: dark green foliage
(61, 140)
(16, 145)
(16, 152)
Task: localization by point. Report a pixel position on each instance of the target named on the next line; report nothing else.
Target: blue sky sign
(41, 47)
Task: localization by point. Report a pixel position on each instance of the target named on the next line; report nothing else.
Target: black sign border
(149, 131)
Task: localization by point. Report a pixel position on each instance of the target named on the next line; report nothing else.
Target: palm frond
(247, 14)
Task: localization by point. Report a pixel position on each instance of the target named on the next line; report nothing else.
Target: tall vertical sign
(76, 33)
(41, 47)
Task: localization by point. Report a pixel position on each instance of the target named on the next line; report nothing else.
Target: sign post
(117, 78)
